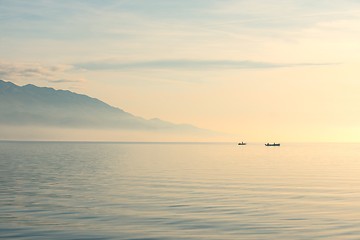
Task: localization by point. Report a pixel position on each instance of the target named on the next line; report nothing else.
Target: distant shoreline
(112, 142)
(159, 142)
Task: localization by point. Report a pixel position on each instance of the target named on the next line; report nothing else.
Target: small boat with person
(242, 143)
(272, 144)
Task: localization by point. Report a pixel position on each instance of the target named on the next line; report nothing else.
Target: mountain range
(43, 106)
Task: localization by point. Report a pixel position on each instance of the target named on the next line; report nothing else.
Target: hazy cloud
(189, 65)
(37, 72)
(69, 80)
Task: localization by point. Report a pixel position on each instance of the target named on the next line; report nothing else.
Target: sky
(260, 70)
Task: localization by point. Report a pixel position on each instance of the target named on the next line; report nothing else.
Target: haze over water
(179, 191)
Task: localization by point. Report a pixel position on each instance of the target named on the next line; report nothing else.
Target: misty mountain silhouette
(42, 106)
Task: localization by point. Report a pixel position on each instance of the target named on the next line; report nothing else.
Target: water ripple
(164, 191)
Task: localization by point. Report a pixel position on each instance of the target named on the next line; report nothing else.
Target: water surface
(179, 191)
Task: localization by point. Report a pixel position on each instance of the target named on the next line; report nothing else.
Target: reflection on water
(179, 191)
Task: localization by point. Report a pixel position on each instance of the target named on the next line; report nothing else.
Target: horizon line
(162, 142)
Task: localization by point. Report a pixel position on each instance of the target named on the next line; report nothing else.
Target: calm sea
(179, 191)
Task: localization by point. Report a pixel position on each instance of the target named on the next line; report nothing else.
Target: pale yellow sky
(258, 70)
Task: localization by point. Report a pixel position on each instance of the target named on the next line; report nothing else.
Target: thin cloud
(68, 80)
(22, 72)
(189, 65)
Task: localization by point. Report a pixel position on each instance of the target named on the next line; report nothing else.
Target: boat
(242, 143)
(272, 144)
